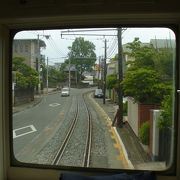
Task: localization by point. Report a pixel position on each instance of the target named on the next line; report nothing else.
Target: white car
(98, 93)
(65, 92)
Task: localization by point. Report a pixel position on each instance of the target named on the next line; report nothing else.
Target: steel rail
(87, 153)
(60, 152)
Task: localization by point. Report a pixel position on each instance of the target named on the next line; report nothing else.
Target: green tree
(25, 75)
(56, 76)
(164, 63)
(145, 86)
(149, 76)
(82, 55)
(147, 56)
(165, 119)
(111, 81)
(144, 55)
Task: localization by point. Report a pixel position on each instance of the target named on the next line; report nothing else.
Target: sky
(58, 41)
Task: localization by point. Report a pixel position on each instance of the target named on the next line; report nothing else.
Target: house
(73, 77)
(30, 49)
(163, 43)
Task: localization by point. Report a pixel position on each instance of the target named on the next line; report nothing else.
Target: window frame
(16, 163)
(39, 171)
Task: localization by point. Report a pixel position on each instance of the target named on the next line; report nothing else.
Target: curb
(33, 103)
(119, 143)
(19, 109)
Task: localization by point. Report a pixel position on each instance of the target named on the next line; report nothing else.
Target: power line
(78, 34)
(113, 48)
(87, 30)
(54, 47)
(73, 32)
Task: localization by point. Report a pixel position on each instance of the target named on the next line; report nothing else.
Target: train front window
(94, 98)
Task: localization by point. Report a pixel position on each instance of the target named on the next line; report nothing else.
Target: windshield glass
(58, 119)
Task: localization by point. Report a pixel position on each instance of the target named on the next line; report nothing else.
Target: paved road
(30, 123)
(40, 121)
(40, 130)
(33, 131)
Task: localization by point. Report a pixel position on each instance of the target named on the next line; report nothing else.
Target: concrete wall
(21, 96)
(133, 115)
(144, 112)
(154, 134)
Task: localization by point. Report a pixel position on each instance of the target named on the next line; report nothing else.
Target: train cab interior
(19, 15)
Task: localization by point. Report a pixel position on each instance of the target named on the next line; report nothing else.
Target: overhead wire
(111, 52)
(55, 47)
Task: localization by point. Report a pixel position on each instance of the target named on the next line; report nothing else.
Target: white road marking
(54, 104)
(33, 129)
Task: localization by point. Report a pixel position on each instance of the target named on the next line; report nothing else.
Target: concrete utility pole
(39, 77)
(69, 74)
(47, 82)
(74, 32)
(99, 71)
(120, 78)
(39, 60)
(105, 72)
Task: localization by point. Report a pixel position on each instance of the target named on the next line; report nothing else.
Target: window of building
(59, 120)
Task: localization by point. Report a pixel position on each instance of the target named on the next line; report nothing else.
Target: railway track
(71, 133)
(66, 139)
(89, 138)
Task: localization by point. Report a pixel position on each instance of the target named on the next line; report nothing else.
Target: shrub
(111, 81)
(144, 133)
(165, 119)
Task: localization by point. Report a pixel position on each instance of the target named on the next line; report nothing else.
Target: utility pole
(69, 74)
(98, 69)
(105, 69)
(74, 32)
(38, 61)
(47, 82)
(120, 78)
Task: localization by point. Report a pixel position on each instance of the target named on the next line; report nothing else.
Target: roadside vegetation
(148, 79)
(23, 75)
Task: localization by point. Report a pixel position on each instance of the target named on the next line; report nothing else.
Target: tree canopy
(145, 86)
(25, 76)
(147, 56)
(164, 63)
(143, 54)
(166, 117)
(56, 76)
(82, 55)
(149, 77)
(111, 81)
